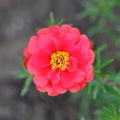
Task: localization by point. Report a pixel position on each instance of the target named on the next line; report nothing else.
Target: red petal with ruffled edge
(40, 78)
(54, 76)
(46, 43)
(72, 66)
(58, 88)
(35, 63)
(69, 78)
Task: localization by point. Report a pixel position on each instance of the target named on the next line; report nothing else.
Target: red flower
(60, 58)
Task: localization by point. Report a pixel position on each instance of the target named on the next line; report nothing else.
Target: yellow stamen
(59, 59)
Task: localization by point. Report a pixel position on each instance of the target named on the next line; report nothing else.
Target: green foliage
(104, 91)
(101, 13)
(51, 21)
(110, 112)
(23, 74)
(103, 18)
(26, 85)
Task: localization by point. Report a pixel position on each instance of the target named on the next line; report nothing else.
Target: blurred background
(18, 20)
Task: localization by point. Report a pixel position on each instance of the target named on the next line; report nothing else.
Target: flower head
(60, 58)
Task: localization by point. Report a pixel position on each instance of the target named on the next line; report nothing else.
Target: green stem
(26, 85)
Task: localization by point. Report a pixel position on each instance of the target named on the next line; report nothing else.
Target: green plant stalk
(26, 85)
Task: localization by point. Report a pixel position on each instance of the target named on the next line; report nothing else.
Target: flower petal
(82, 85)
(84, 41)
(67, 38)
(90, 78)
(55, 29)
(43, 31)
(50, 90)
(82, 55)
(41, 89)
(89, 73)
(58, 88)
(65, 28)
(92, 57)
(72, 64)
(40, 79)
(74, 88)
(26, 53)
(33, 45)
(69, 78)
(77, 86)
(54, 76)
(45, 43)
(81, 50)
(35, 63)
(81, 74)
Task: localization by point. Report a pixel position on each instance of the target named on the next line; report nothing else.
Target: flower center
(59, 59)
